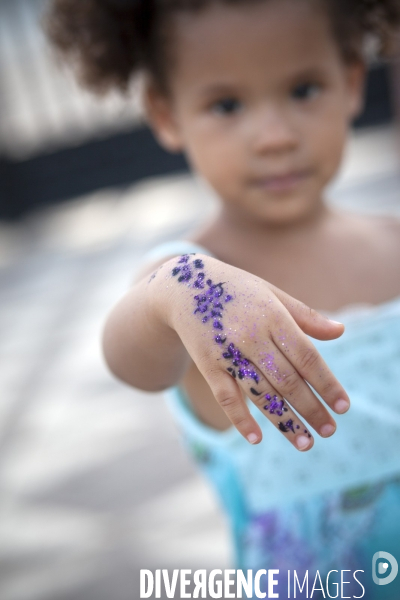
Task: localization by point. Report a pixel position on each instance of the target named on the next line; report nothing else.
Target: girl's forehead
(260, 36)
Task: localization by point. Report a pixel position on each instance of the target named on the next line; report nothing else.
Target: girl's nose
(274, 132)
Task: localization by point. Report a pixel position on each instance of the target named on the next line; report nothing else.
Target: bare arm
(139, 346)
(246, 337)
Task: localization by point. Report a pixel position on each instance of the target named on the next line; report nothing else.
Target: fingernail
(253, 438)
(341, 406)
(302, 442)
(327, 429)
(335, 322)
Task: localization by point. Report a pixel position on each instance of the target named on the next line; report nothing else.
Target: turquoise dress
(331, 508)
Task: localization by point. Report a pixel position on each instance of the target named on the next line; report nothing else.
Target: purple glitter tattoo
(199, 281)
(238, 360)
(285, 427)
(210, 307)
(289, 424)
(275, 407)
(243, 373)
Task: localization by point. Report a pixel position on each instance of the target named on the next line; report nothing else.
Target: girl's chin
(274, 211)
(288, 214)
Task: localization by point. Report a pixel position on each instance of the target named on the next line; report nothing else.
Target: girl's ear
(356, 79)
(161, 118)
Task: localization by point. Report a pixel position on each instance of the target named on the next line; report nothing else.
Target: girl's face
(260, 101)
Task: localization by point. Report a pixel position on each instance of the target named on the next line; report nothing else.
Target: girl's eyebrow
(218, 89)
(309, 73)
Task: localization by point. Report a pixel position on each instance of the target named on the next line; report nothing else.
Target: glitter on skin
(275, 407)
(268, 361)
(186, 273)
(242, 373)
(288, 426)
(209, 305)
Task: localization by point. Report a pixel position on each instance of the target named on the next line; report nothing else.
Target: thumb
(308, 319)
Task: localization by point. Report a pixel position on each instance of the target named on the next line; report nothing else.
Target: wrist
(158, 295)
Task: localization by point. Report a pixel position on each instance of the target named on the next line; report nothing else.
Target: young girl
(260, 95)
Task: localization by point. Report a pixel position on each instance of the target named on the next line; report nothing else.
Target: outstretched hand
(246, 335)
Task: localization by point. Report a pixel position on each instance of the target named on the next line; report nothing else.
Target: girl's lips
(282, 183)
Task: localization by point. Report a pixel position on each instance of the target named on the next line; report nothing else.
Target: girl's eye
(226, 106)
(306, 91)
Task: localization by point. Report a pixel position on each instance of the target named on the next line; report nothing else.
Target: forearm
(139, 346)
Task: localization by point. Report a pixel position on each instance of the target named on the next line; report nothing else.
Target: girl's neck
(235, 231)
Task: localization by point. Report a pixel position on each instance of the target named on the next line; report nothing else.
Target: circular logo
(383, 567)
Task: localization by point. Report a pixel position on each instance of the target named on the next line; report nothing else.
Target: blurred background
(94, 482)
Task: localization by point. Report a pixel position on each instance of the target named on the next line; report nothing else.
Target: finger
(229, 396)
(308, 319)
(273, 371)
(309, 366)
(273, 406)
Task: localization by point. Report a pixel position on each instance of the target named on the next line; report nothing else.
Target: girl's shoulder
(378, 236)
(377, 225)
(377, 251)
(387, 224)
(385, 240)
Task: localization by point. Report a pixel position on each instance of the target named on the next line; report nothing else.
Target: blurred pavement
(94, 482)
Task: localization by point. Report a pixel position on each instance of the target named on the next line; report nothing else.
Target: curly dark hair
(111, 40)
